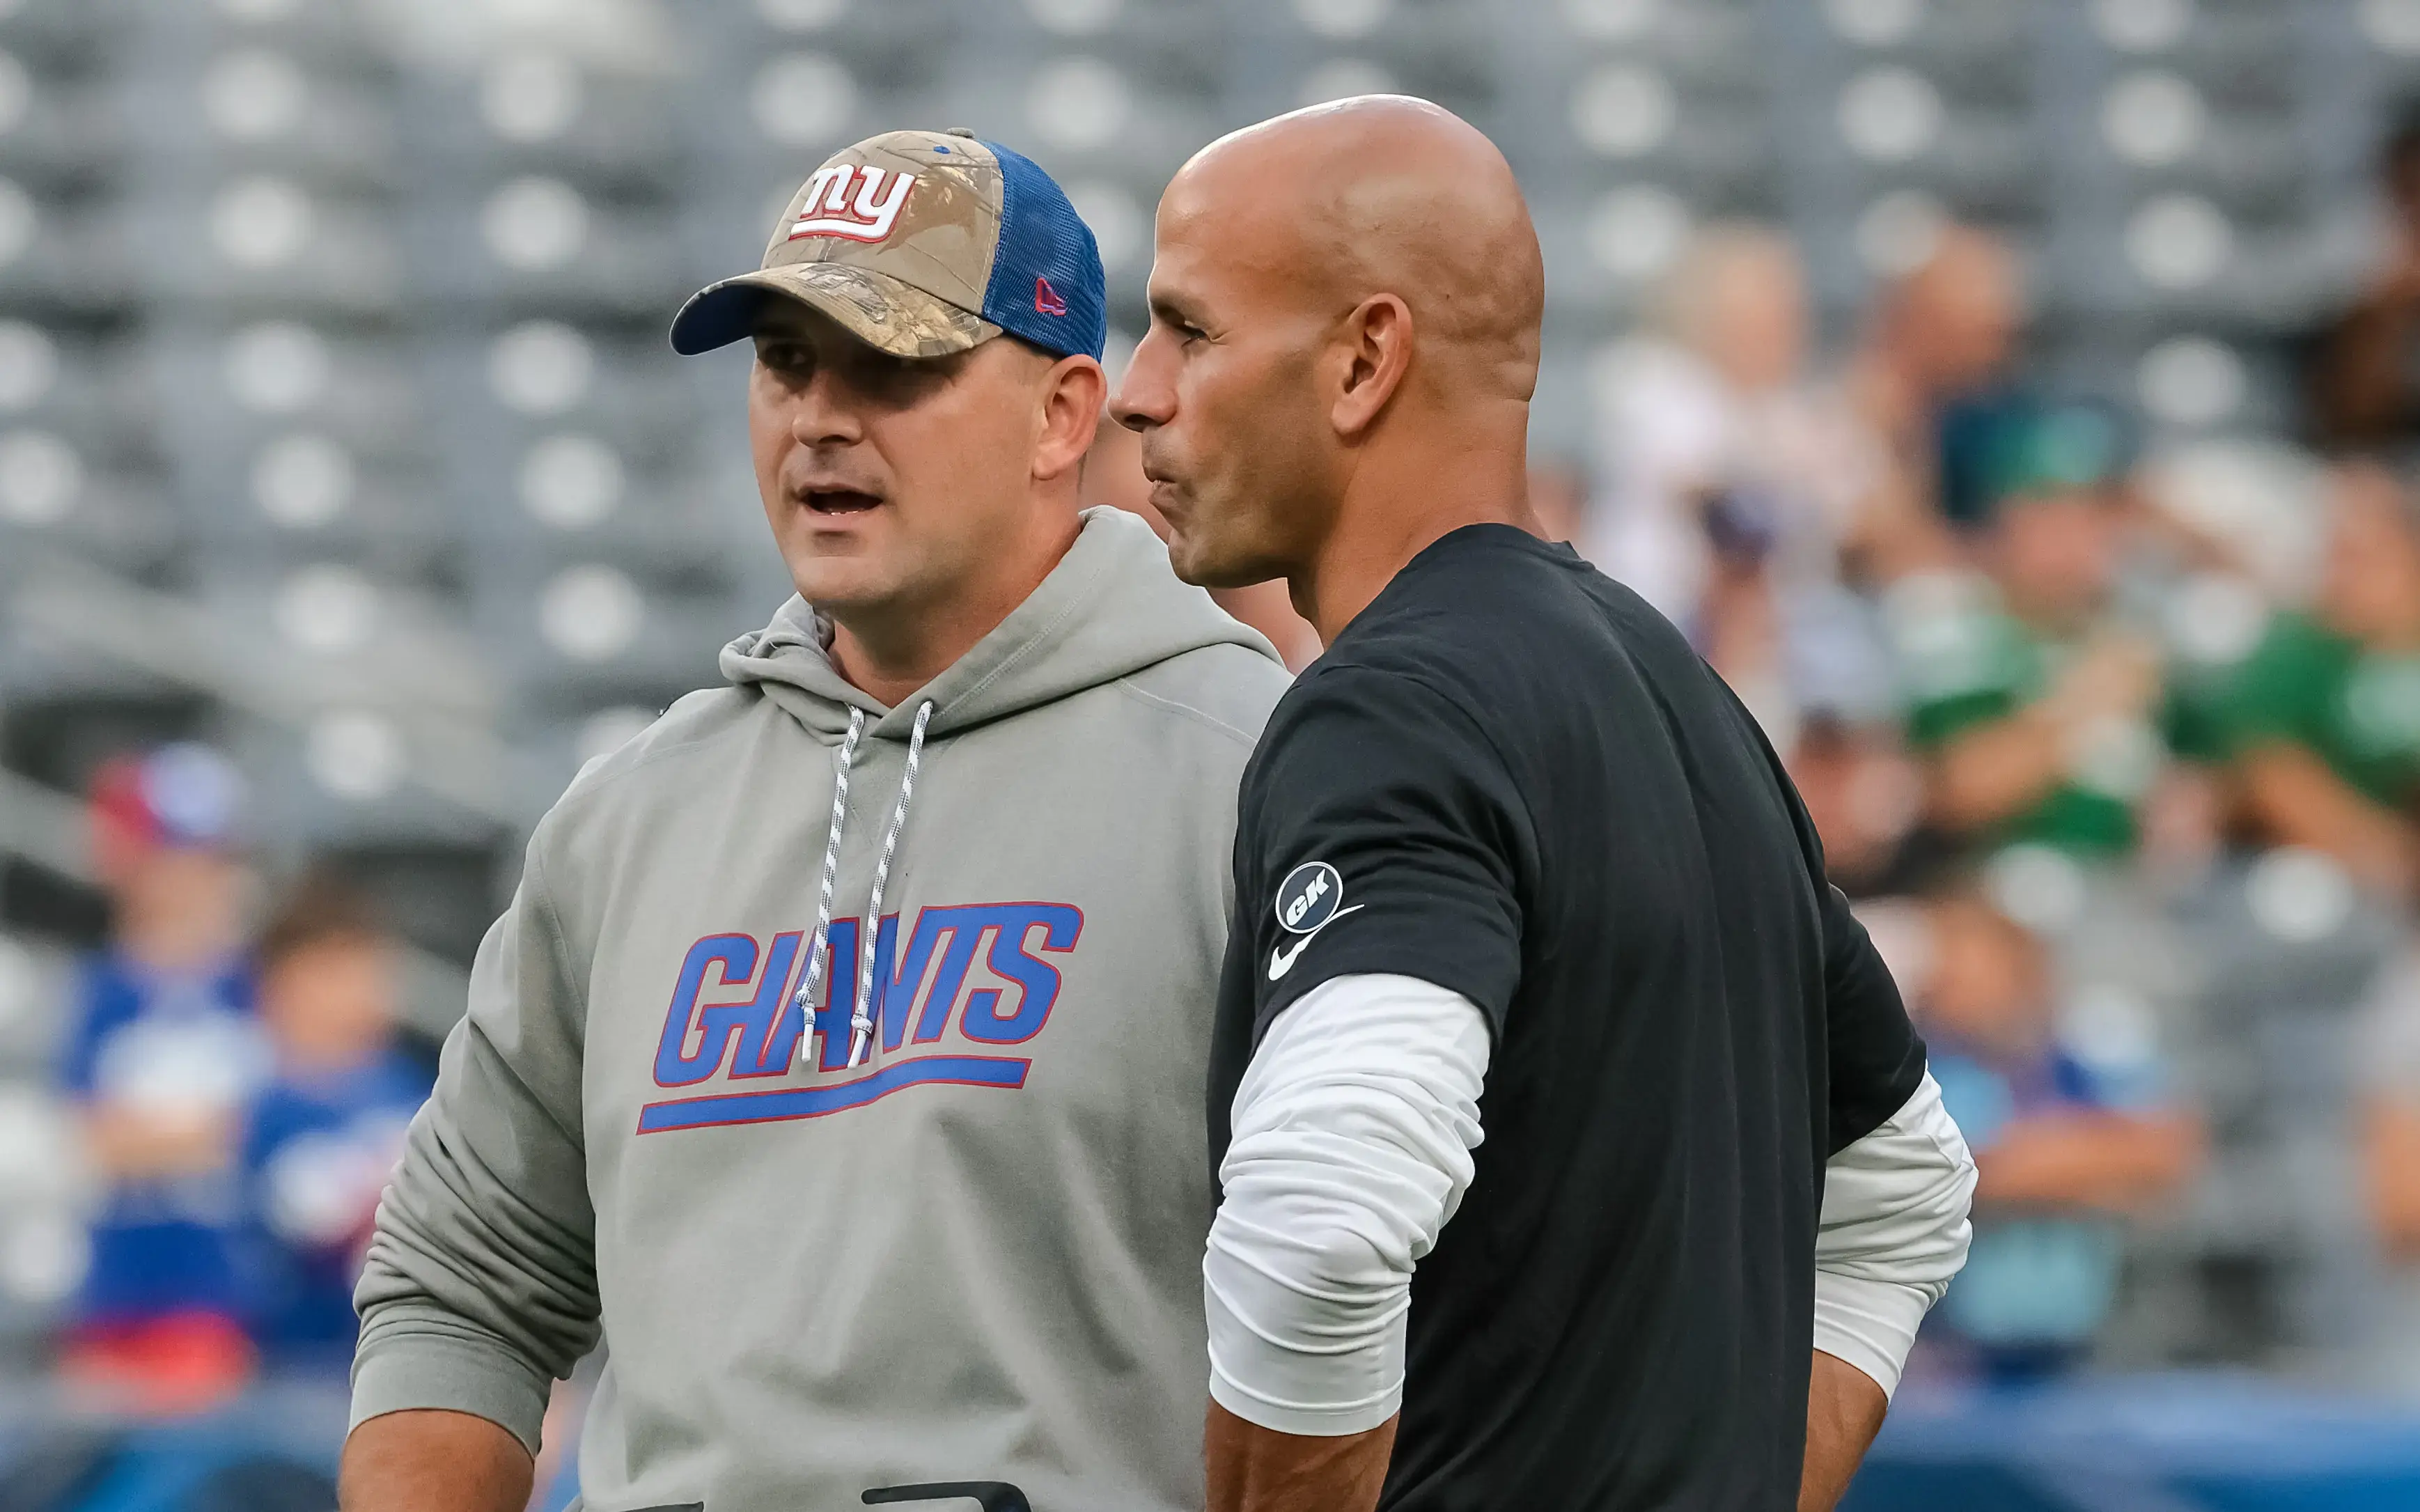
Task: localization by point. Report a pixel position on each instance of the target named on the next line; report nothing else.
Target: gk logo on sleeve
(1307, 901)
(872, 216)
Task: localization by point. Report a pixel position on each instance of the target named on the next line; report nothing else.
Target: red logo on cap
(1046, 298)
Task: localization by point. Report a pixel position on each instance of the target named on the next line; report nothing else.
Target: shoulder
(1495, 629)
(1355, 726)
(644, 773)
(1229, 689)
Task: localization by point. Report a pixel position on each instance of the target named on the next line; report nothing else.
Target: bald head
(1346, 305)
(1383, 194)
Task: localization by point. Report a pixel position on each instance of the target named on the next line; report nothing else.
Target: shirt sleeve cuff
(1300, 1420)
(404, 1372)
(1870, 1324)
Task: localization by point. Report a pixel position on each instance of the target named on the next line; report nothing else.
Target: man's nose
(1145, 398)
(822, 414)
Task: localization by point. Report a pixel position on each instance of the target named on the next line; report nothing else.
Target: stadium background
(339, 435)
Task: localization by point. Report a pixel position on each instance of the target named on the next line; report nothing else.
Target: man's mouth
(839, 501)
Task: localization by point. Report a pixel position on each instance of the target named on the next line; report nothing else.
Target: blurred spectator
(2064, 1149)
(2324, 718)
(1733, 482)
(1930, 382)
(1714, 440)
(1114, 475)
(1865, 795)
(325, 1132)
(2365, 391)
(163, 1056)
(2038, 710)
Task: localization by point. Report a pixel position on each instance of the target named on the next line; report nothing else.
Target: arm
(1352, 1132)
(2116, 1161)
(1993, 772)
(1893, 1233)
(2297, 801)
(1844, 1411)
(425, 1460)
(135, 1142)
(1267, 1471)
(134, 1139)
(1898, 1182)
(479, 1287)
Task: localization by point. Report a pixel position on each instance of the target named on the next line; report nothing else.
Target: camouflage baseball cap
(923, 244)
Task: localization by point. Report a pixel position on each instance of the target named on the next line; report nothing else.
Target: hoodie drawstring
(860, 1022)
(804, 998)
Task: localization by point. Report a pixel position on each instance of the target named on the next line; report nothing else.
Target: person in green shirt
(2323, 719)
(2036, 715)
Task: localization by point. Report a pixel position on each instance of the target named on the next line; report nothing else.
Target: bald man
(1540, 1031)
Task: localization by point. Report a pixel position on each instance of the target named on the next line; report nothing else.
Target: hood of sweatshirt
(1110, 608)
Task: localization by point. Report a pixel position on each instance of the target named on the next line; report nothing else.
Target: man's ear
(1072, 395)
(1377, 338)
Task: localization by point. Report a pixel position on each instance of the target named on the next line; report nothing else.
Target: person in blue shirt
(323, 1134)
(162, 1057)
(2066, 1147)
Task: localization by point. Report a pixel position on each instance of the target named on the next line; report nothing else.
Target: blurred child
(2064, 1150)
(325, 1132)
(162, 1059)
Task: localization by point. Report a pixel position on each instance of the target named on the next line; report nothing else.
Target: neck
(891, 651)
(1395, 507)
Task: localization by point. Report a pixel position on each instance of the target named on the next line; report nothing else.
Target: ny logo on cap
(868, 218)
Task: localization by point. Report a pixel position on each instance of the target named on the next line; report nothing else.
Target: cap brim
(885, 313)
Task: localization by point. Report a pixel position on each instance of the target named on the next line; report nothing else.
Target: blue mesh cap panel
(1042, 240)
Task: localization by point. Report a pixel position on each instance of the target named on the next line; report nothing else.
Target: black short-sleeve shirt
(1510, 778)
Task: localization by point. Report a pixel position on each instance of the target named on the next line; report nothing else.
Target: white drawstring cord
(861, 1020)
(804, 998)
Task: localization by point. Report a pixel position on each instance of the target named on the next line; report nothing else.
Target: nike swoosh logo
(1282, 959)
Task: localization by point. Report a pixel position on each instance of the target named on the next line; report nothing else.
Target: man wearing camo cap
(838, 1061)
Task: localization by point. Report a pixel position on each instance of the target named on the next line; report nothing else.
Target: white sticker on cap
(866, 218)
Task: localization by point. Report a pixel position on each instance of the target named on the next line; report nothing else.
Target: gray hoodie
(975, 1256)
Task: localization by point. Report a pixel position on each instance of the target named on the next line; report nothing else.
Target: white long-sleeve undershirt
(1352, 1138)
(1351, 1147)
(1892, 1235)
